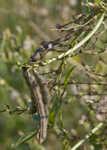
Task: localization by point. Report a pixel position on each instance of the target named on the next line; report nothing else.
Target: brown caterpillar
(31, 84)
(45, 100)
(43, 87)
(40, 98)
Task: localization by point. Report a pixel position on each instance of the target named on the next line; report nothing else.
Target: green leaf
(97, 1)
(61, 118)
(55, 109)
(26, 137)
(67, 77)
(52, 117)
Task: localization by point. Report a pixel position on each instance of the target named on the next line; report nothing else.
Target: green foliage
(68, 75)
(54, 111)
(26, 137)
(78, 76)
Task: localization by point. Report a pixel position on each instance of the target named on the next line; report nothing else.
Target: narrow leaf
(26, 137)
(67, 77)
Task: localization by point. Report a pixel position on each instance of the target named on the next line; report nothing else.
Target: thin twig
(87, 136)
(77, 46)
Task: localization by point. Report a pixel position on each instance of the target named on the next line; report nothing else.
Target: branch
(75, 48)
(87, 136)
